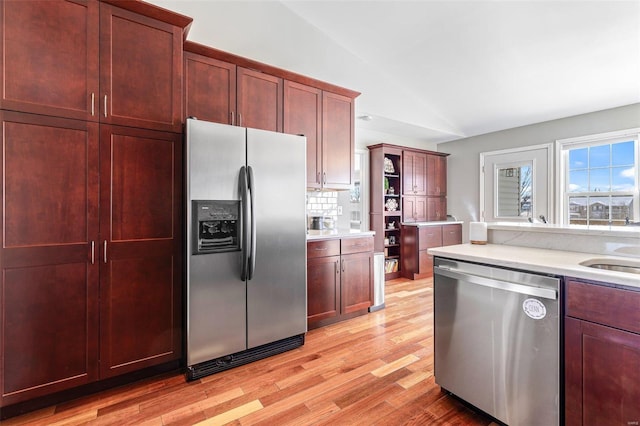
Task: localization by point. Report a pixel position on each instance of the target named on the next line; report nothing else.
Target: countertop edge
(556, 262)
(337, 234)
(435, 223)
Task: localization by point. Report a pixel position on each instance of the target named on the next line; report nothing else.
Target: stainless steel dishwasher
(497, 340)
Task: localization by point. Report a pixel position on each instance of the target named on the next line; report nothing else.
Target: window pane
(599, 210)
(578, 210)
(599, 156)
(621, 210)
(622, 154)
(577, 181)
(599, 180)
(623, 178)
(602, 182)
(578, 159)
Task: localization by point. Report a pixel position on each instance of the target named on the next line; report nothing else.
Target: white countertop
(327, 234)
(621, 231)
(435, 223)
(555, 262)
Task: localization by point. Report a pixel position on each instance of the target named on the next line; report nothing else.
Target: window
(600, 179)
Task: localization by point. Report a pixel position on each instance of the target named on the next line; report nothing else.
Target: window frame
(563, 146)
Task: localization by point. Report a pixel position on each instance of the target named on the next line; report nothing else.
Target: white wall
(463, 164)
(366, 137)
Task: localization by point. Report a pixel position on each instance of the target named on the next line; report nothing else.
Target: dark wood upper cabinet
(436, 172)
(414, 173)
(436, 208)
(303, 116)
(49, 55)
(140, 70)
(269, 98)
(337, 141)
(326, 119)
(210, 89)
(223, 92)
(48, 255)
(259, 100)
(92, 61)
(414, 208)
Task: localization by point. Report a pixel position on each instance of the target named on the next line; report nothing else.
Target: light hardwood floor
(372, 370)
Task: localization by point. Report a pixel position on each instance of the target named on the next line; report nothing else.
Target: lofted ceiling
(436, 71)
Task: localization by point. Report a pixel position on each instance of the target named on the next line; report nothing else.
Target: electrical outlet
(339, 210)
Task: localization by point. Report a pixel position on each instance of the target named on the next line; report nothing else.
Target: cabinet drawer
(357, 245)
(430, 236)
(323, 248)
(605, 305)
(451, 234)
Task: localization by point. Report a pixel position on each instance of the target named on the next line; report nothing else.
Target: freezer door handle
(546, 293)
(252, 256)
(246, 232)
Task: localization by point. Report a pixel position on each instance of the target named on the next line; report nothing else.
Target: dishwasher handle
(546, 293)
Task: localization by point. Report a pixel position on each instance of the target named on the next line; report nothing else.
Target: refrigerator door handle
(244, 188)
(252, 256)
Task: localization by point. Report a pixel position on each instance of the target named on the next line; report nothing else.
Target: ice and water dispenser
(216, 226)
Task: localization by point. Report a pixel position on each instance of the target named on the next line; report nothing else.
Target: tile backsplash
(323, 203)
(341, 209)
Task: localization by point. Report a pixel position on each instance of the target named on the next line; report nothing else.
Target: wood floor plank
(375, 369)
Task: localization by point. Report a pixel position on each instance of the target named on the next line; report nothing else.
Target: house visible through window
(600, 176)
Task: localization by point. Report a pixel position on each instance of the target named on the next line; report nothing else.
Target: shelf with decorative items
(386, 204)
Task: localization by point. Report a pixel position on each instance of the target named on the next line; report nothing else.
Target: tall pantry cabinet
(92, 192)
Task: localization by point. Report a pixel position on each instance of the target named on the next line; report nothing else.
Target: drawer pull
(321, 249)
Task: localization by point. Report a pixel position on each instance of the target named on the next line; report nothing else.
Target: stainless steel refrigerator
(246, 245)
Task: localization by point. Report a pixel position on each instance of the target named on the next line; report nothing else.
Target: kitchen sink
(618, 265)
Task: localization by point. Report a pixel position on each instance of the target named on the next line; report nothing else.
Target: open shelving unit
(386, 205)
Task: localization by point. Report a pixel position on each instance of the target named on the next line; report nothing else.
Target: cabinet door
(303, 116)
(210, 89)
(259, 100)
(414, 169)
(49, 279)
(140, 277)
(323, 288)
(602, 374)
(356, 282)
(421, 209)
(140, 70)
(436, 175)
(436, 208)
(451, 234)
(50, 57)
(337, 141)
(408, 208)
(408, 187)
(414, 209)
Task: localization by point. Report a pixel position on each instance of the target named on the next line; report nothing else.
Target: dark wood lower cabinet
(140, 277)
(323, 287)
(49, 285)
(417, 263)
(339, 286)
(356, 280)
(90, 256)
(602, 361)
